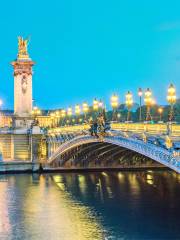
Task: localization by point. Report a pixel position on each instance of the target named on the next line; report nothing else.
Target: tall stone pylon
(23, 80)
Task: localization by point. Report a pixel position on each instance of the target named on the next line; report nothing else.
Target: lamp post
(118, 116)
(114, 104)
(57, 116)
(95, 107)
(77, 111)
(63, 115)
(80, 120)
(101, 105)
(140, 93)
(148, 103)
(35, 112)
(85, 109)
(95, 104)
(171, 98)
(129, 103)
(67, 121)
(69, 112)
(160, 111)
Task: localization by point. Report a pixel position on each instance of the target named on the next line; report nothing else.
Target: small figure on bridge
(94, 128)
(101, 123)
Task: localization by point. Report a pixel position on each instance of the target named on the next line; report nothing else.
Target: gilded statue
(22, 48)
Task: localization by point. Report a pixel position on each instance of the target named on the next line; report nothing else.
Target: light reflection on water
(33, 208)
(116, 205)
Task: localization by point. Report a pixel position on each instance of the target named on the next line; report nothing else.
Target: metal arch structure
(156, 153)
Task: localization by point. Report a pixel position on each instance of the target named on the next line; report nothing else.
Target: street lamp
(148, 102)
(57, 116)
(114, 104)
(77, 110)
(171, 98)
(67, 121)
(85, 109)
(69, 114)
(101, 105)
(118, 116)
(63, 115)
(80, 120)
(129, 103)
(73, 120)
(69, 111)
(95, 104)
(35, 112)
(140, 93)
(160, 111)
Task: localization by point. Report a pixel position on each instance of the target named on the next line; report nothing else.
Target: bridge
(74, 146)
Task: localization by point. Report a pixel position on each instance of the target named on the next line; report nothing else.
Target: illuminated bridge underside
(104, 152)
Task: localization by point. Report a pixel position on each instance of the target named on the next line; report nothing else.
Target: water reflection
(5, 226)
(114, 205)
(32, 207)
(131, 204)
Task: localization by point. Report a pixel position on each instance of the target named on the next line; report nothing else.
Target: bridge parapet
(131, 127)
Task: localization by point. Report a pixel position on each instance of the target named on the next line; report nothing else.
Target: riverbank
(101, 169)
(18, 167)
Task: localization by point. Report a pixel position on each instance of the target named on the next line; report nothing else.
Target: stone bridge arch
(156, 153)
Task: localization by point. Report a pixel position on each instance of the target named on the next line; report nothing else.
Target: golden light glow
(57, 114)
(95, 104)
(114, 101)
(133, 127)
(85, 107)
(82, 225)
(77, 109)
(63, 113)
(160, 110)
(153, 102)
(36, 111)
(171, 96)
(69, 111)
(148, 97)
(149, 179)
(129, 100)
(52, 115)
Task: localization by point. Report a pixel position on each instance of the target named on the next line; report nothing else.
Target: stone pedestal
(22, 122)
(36, 130)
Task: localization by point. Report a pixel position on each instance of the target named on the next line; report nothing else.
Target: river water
(105, 205)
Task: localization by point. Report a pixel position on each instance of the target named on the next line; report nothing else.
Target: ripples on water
(116, 205)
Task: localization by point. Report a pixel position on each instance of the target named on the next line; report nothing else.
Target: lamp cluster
(98, 105)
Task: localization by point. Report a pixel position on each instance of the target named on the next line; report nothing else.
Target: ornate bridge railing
(152, 151)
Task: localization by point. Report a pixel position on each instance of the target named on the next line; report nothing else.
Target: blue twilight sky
(86, 49)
